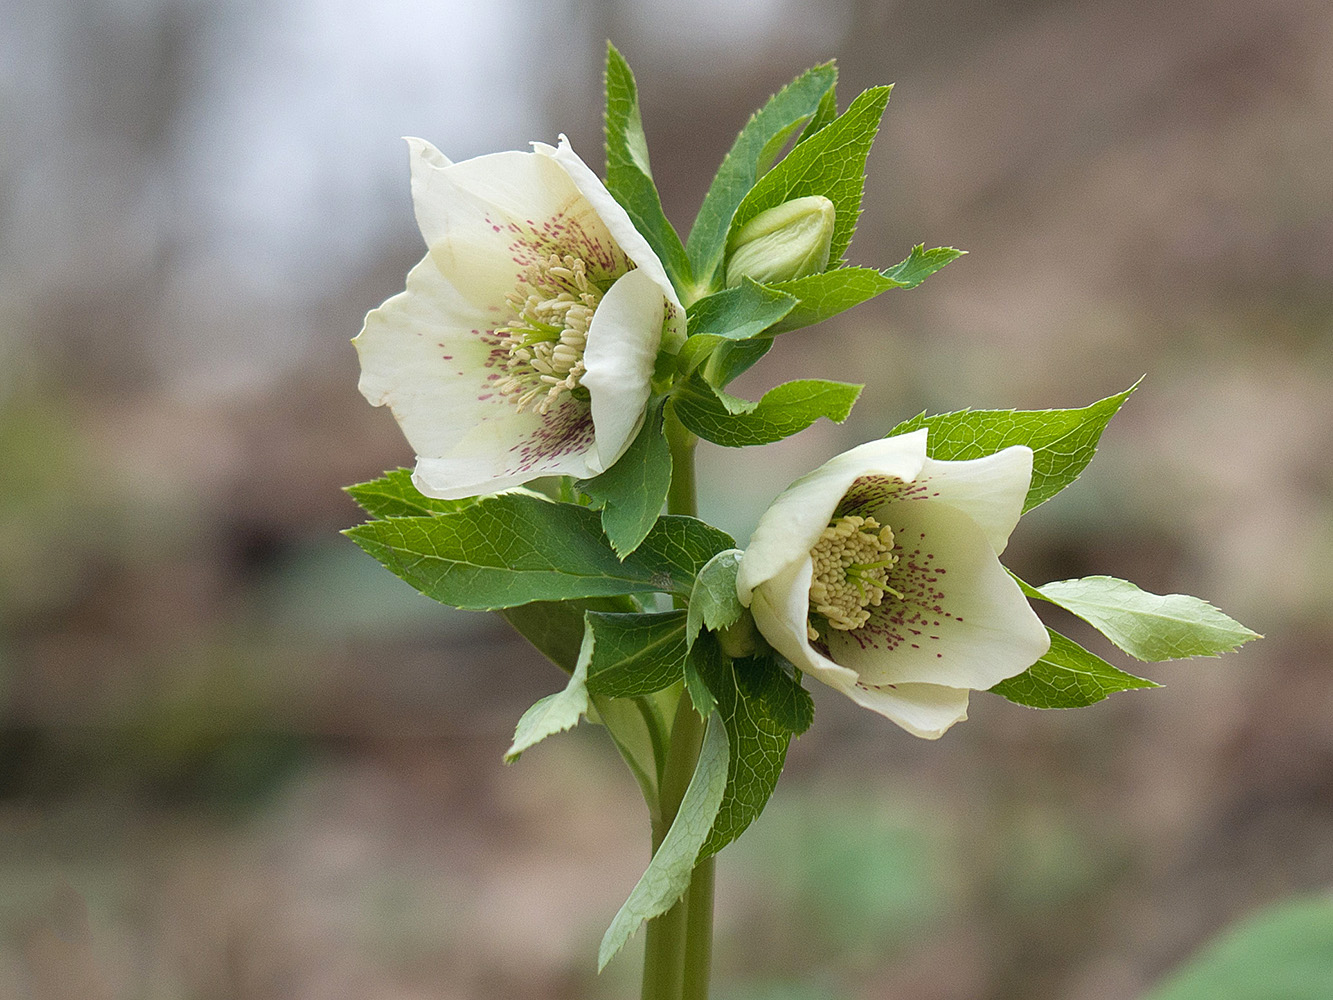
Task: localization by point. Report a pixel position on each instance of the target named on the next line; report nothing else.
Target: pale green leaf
(1148, 626)
(514, 548)
(628, 175)
(713, 601)
(636, 654)
(633, 491)
(640, 729)
(556, 712)
(1284, 952)
(758, 142)
(825, 113)
(668, 874)
(783, 410)
(831, 163)
(1062, 441)
(1068, 676)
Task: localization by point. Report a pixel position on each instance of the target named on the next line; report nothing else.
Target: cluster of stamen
(852, 560)
(546, 338)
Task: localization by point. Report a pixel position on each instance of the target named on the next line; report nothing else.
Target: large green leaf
(1062, 441)
(756, 704)
(513, 548)
(1148, 626)
(668, 874)
(758, 142)
(1282, 953)
(1068, 676)
(783, 410)
(831, 163)
(633, 491)
(628, 176)
(828, 293)
(393, 495)
(636, 654)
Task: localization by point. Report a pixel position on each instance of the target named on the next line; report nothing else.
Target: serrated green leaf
(921, 264)
(632, 493)
(774, 685)
(758, 742)
(719, 360)
(783, 410)
(825, 113)
(556, 628)
(1062, 441)
(713, 601)
(739, 313)
(1148, 626)
(758, 142)
(628, 175)
(823, 295)
(1284, 952)
(702, 699)
(510, 549)
(636, 654)
(393, 495)
(668, 874)
(831, 163)
(556, 712)
(1068, 676)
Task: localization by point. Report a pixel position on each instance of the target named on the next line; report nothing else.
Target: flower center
(852, 560)
(546, 338)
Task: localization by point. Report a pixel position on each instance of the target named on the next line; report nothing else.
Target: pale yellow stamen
(852, 560)
(546, 338)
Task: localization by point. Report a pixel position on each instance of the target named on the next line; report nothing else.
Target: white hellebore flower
(525, 342)
(879, 574)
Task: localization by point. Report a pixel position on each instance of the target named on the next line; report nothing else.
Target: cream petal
(617, 220)
(427, 355)
(789, 528)
(781, 607)
(924, 710)
(620, 354)
(989, 490)
(487, 219)
(964, 622)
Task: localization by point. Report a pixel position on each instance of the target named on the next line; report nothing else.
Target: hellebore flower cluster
(879, 574)
(525, 341)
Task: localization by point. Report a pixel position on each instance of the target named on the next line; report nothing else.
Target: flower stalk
(678, 945)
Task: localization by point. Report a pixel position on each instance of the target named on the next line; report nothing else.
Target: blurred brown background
(239, 760)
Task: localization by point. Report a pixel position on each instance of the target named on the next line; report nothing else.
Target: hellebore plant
(558, 333)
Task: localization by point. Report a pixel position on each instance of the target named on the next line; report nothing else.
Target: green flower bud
(788, 241)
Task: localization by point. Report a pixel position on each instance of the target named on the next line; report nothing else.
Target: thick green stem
(678, 945)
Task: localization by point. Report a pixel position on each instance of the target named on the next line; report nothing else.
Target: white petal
(791, 526)
(427, 354)
(989, 490)
(620, 354)
(964, 622)
(613, 214)
(925, 710)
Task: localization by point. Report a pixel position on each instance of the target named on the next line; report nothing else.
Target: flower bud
(788, 241)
